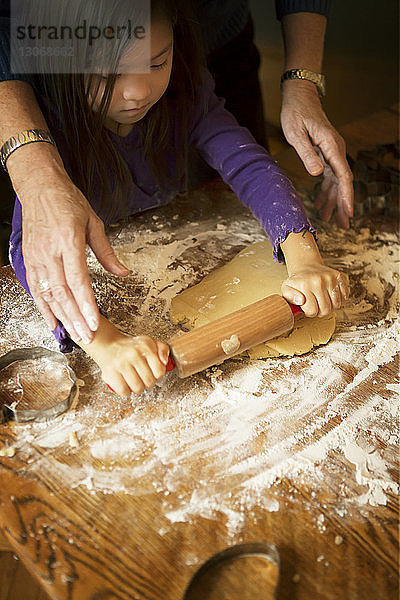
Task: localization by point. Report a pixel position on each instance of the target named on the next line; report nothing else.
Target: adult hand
(319, 146)
(57, 223)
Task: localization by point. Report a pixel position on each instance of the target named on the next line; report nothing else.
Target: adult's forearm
(19, 111)
(56, 219)
(303, 36)
(304, 122)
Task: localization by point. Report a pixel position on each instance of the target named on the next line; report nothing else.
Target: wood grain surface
(4, 544)
(98, 526)
(16, 583)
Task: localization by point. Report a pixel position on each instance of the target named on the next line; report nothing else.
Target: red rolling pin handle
(170, 364)
(296, 310)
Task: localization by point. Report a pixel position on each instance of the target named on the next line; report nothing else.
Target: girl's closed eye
(153, 67)
(160, 66)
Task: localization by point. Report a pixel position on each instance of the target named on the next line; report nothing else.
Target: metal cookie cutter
(376, 181)
(257, 579)
(24, 415)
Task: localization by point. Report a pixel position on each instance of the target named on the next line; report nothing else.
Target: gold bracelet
(316, 78)
(25, 137)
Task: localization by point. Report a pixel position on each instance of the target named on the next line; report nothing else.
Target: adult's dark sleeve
(4, 8)
(287, 7)
(5, 67)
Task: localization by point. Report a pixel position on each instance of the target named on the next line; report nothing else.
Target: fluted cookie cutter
(374, 197)
(11, 411)
(376, 182)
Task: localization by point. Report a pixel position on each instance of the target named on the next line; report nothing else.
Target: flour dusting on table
(237, 436)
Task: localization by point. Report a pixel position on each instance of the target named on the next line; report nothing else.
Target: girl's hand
(128, 364)
(317, 289)
(133, 364)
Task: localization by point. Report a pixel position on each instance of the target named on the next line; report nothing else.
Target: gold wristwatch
(316, 78)
(22, 138)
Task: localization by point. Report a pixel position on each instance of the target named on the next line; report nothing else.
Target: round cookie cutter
(10, 412)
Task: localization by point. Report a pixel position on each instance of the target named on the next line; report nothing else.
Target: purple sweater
(230, 149)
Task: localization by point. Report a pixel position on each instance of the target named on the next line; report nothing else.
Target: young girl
(124, 136)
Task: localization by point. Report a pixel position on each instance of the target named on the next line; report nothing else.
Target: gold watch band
(316, 78)
(22, 138)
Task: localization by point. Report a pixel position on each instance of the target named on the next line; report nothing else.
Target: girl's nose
(136, 88)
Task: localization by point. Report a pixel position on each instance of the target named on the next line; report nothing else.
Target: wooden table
(260, 451)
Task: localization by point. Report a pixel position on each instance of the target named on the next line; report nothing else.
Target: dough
(248, 277)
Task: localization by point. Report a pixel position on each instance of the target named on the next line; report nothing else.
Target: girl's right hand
(133, 364)
(318, 289)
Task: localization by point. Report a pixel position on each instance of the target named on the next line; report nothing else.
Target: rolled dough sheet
(248, 277)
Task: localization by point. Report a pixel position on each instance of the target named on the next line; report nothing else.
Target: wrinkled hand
(318, 289)
(57, 223)
(133, 364)
(320, 147)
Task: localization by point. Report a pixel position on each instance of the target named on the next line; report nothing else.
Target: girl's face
(135, 93)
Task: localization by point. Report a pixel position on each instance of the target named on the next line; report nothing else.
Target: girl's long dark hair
(96, 166)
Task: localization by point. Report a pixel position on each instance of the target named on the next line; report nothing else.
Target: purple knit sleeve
(66, 344)
(249, 170)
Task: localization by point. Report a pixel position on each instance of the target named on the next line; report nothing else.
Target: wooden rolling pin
(232, 334)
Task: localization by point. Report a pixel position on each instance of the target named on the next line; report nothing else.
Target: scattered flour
(223, 441)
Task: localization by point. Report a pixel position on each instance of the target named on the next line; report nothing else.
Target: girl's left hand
(318, 289)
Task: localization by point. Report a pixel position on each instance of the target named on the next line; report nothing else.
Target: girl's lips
(136, 110)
